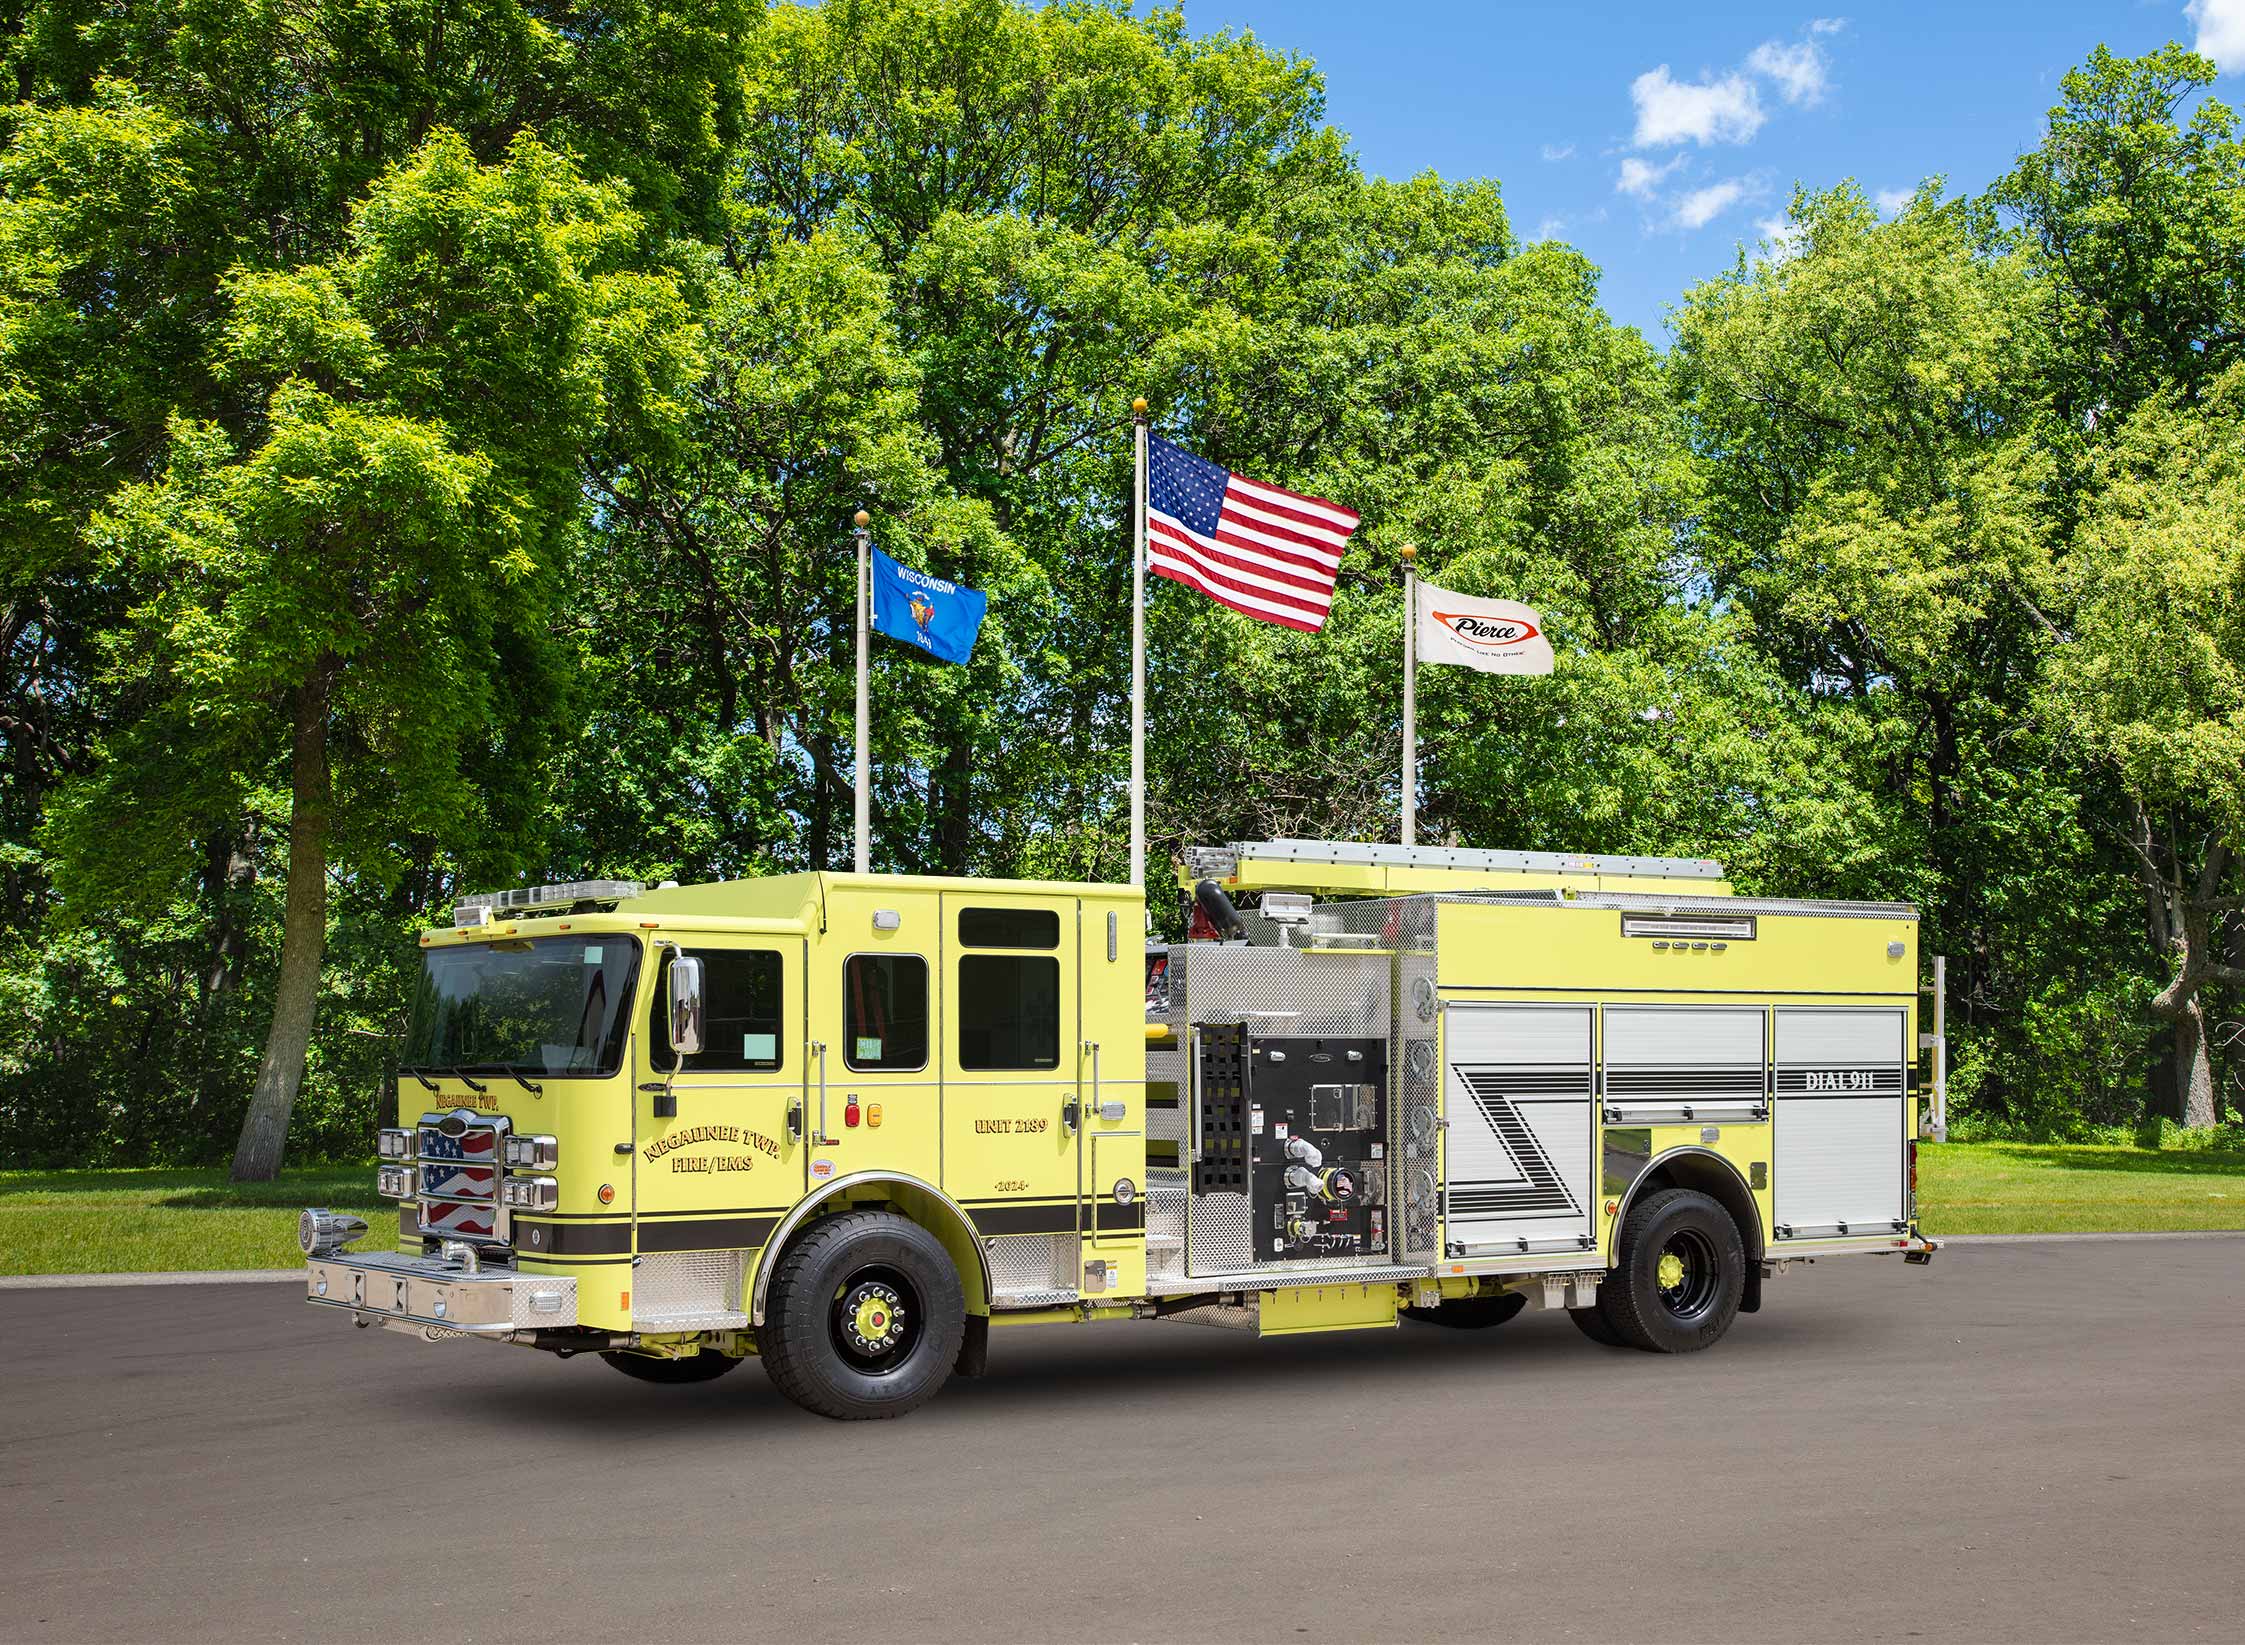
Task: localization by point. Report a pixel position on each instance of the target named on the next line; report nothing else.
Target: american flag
(1257, 548)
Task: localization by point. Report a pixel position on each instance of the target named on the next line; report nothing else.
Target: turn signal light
(531, 1193)
(393, 1144)
(534, 1153)
(394, 1181)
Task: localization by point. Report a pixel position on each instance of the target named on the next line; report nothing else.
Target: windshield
(543, 1005)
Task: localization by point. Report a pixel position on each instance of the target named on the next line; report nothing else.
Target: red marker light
(849, 1113)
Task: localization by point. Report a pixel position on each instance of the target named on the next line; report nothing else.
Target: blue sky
(1656, 138)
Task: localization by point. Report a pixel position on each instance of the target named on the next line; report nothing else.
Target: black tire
(705, 1366)
(1470, 1313)
(1591, 1322)
(865, 1319)
(1703, 1285)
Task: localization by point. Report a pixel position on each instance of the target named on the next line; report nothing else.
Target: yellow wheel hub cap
(873, 1318)
(1671, 1270)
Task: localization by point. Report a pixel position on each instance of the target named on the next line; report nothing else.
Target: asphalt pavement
(2032, 1442)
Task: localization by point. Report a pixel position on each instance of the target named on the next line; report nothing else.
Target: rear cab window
(1008, 1005)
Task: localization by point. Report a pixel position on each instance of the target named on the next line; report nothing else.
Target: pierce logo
(1488, 633)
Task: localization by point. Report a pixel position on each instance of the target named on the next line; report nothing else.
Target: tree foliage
(428, 434)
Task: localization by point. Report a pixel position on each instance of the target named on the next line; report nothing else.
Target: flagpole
(864, 711)
(1410, 696)
(1138, 652)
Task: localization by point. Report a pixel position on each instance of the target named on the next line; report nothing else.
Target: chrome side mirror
(685, 1020)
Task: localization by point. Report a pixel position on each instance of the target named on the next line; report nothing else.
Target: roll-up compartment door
(1840, 1141)
(1517, 1090)
(1676, 1062)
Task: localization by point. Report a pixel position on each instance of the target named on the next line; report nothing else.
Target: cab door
(717, 1160)
(875, 1096)
(1013, 1063)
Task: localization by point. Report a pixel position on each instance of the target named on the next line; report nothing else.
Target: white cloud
(2221, 32)
(1797, 69)
(1784, 237)
(1698, 207)
(1892, 200)
(1641, 177)
(1669, 111)
(1826, 25)
(1559, 151)
(1552, 228)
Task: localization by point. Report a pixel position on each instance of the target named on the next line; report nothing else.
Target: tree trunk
(257, 1157)
(2194, 1068)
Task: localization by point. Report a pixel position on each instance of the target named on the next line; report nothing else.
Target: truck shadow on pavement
(1067, 1370)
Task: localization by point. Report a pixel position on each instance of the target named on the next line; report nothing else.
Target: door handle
(1071, 1115)
(823, 1139)
(795, 1119)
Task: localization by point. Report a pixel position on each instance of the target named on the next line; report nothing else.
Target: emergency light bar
(480, 907)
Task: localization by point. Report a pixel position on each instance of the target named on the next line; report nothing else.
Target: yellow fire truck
(847, 1123)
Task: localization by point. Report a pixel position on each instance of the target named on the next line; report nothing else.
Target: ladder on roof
(1353, 866)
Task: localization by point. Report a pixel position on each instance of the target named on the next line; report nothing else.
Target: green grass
(2047, 1188)
(100, 1222)
(107, 1222)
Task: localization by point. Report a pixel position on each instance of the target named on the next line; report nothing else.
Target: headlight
(394, 1181)
(531, 1193)
(393, 1144)
(322, 1233)
(533, 1153)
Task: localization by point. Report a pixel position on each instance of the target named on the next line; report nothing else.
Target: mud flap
(974, 1348)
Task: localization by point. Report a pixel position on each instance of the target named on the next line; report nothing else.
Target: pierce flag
(1494, 636)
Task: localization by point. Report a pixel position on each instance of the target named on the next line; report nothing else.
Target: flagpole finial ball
(862, 519)
(1408, 552)
(1138, 408)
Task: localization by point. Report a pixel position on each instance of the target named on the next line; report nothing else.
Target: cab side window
(1009, 1004)
(1009, 1011)
(885, 1012)
(744, 1010)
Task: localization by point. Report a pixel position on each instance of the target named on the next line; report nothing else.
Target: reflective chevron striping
(1541, 1187)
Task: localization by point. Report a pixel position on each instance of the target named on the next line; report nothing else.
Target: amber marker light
(607, 1193)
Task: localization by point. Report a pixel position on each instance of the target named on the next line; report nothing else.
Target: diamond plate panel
(1166, 1193)
(1033, 1265)
(541, 1302)
(1284, 990)
(1221, 1239)
(687, 1290)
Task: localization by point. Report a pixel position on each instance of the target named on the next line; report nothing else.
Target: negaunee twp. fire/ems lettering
(850, 1123)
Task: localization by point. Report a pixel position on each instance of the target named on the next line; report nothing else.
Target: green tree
(1872, 433)
(154, 156)
(2133, 224)
(2153, 683)
(365, 576)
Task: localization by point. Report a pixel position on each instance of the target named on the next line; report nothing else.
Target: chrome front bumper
(435, 1296)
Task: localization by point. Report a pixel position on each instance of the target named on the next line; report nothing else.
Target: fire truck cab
(847, 1123)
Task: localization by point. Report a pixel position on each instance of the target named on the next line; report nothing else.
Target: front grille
(458, 1169)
